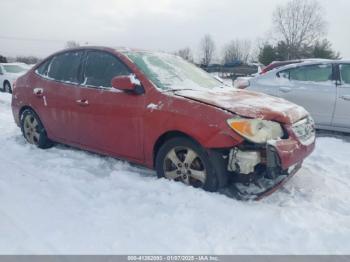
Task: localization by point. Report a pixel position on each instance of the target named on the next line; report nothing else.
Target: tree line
(298, 32)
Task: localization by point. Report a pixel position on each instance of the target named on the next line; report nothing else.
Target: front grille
(305, 130)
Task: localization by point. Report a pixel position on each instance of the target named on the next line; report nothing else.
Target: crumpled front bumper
(291, 172)
(291, 151)
(262, 188)
(282, 159)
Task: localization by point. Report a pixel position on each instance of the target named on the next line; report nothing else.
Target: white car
(9, 72)
(321, 87)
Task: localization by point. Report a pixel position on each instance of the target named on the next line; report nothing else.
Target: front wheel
(183, 160)
(33, 130)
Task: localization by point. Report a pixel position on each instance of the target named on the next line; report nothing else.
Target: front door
(110, 120)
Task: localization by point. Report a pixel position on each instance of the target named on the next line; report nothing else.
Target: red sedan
(160, 111)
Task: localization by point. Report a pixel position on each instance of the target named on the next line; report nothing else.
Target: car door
(342, 109)
(110, 120)
(314, 88)
(57, 90)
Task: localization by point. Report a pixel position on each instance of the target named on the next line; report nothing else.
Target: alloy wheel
(184, 164)
(31, 126)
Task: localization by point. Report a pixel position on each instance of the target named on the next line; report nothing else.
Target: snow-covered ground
(67, 201)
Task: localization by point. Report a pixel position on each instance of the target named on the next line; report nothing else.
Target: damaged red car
(157, 110)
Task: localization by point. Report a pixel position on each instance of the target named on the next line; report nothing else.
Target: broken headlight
(256, 130)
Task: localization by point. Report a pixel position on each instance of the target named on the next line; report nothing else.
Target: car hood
(249, 104)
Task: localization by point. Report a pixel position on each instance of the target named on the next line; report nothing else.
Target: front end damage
(257, 170)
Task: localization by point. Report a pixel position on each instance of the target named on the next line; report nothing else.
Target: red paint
(121, 124)
(123, 83)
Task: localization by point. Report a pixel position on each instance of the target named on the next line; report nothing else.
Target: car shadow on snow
(334, 134)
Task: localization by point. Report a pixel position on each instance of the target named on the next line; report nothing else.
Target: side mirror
(127, 84)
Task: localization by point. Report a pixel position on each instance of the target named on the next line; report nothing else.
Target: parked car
(9, 72)
(160, 111)
(323, 88)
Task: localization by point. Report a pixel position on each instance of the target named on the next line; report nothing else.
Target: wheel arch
(23, 108)
(215, 156)
(165, 137)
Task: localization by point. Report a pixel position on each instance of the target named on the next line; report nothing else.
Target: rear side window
(43, 68)
(284, 74)
(345, 73)
(101, 67)
(66, 67)
(0, 70)
(313, 73)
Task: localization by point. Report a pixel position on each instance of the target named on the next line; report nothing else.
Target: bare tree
(72, 44)
(237, 50)
(185, 53)
(299, 24)
(207, 48)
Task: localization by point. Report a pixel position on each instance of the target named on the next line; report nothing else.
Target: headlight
(256, 130)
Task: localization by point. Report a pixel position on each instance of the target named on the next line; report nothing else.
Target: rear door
(56, 93)
(342, 109)
(314, 88)
(110, 120)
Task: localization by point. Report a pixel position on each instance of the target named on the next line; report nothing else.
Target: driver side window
(101, 68)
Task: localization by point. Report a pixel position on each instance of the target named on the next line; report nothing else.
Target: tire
(33, 130)
(7, 87)
(181, 159)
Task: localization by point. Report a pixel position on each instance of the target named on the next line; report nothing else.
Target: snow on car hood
(249, 104)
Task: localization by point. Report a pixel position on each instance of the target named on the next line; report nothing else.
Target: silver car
(323, 88)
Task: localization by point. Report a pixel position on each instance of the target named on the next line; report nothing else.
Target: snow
(134, 80)
(249, 104)
(68, 201)
(152, 106)
(170, 72)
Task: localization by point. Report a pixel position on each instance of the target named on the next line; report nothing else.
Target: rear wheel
(183, 160)
(7, 87)
(33, 130)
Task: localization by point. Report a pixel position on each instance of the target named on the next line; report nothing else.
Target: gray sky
(40, 27)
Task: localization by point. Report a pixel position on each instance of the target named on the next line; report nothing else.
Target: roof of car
(312, 62)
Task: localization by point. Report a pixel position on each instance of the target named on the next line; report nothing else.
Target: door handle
(285, 89)
(39, 92)
(82, 102)
(345, 97)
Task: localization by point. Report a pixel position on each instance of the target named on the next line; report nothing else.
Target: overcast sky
(40, 27)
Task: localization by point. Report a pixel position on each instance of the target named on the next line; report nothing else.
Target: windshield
(14, 69)
(170, 72)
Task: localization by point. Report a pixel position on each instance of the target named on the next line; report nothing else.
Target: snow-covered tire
(181, 159)
(7, 87)
(33, 130)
